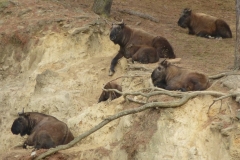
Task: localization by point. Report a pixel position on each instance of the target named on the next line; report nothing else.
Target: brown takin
(105, 95)
(124, 36)
(44, 131)
(171, 77)
(141, 53)
(204, 25)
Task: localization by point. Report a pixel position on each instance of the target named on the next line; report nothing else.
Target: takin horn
(118, 23)
(21, 113)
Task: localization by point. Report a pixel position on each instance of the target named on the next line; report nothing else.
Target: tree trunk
(102, 7)
(237, 45)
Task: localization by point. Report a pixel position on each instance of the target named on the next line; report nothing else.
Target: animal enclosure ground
(33, 19)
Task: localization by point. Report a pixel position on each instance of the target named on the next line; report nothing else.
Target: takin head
(21, 125)
(116, 32)
(185, 17)
(111, 94)
(159, 74)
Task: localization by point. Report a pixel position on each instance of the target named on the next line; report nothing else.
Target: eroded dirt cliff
(55, 57)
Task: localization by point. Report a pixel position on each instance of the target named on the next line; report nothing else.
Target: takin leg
(174, 88)
(191, 31)
(140, 56)
(160, 84)
(222, 29)
(197, 82)
(148, 55)
(114, 61)
(29, 141)
(43, 140)
(178, 84)
(153, 57)
(103, 97)
(204, 34)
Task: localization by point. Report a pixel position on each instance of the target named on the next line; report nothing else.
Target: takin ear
(122, 25)
(27, 115)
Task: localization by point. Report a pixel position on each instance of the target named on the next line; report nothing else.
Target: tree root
(181, 98)
(223, 97)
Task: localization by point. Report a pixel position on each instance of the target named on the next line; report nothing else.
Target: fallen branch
(221, 98)
(217, 76)
(124, 77)
(139, 14)
(183, 97)
(140, 68)
(107, 22)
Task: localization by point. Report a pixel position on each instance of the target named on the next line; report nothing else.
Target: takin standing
(124, 36)
(44, 131)
(204, 25)
(105, 95)
(142, 54)
(171, 77)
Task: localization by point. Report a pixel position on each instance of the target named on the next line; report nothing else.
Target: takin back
(124, 36)
(204, 25)
(44, 131)
(171, 77)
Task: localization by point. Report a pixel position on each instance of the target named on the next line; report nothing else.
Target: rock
(79, 30)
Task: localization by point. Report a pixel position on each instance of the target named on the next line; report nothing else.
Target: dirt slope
(55, 57)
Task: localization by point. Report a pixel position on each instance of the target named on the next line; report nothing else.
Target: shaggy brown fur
(142, 54)
(44, 131)
(111, 94)
(124, 36)
(171, 77)
(204, 25)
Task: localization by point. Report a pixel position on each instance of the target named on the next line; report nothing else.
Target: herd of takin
(46, 131)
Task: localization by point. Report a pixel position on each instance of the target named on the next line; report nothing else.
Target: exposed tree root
(181, 98)
(223, 97)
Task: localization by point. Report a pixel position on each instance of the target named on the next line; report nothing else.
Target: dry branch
(221, 98)
(124, 77)
(140, 68)
(183, 97)
(217, 76)
(107, 22)
(139, 14)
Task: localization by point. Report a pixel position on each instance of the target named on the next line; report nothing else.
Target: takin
(171, 77)
(110, 94)
(124, 36)
(142, 54)
(44, 131)
(204, 25)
